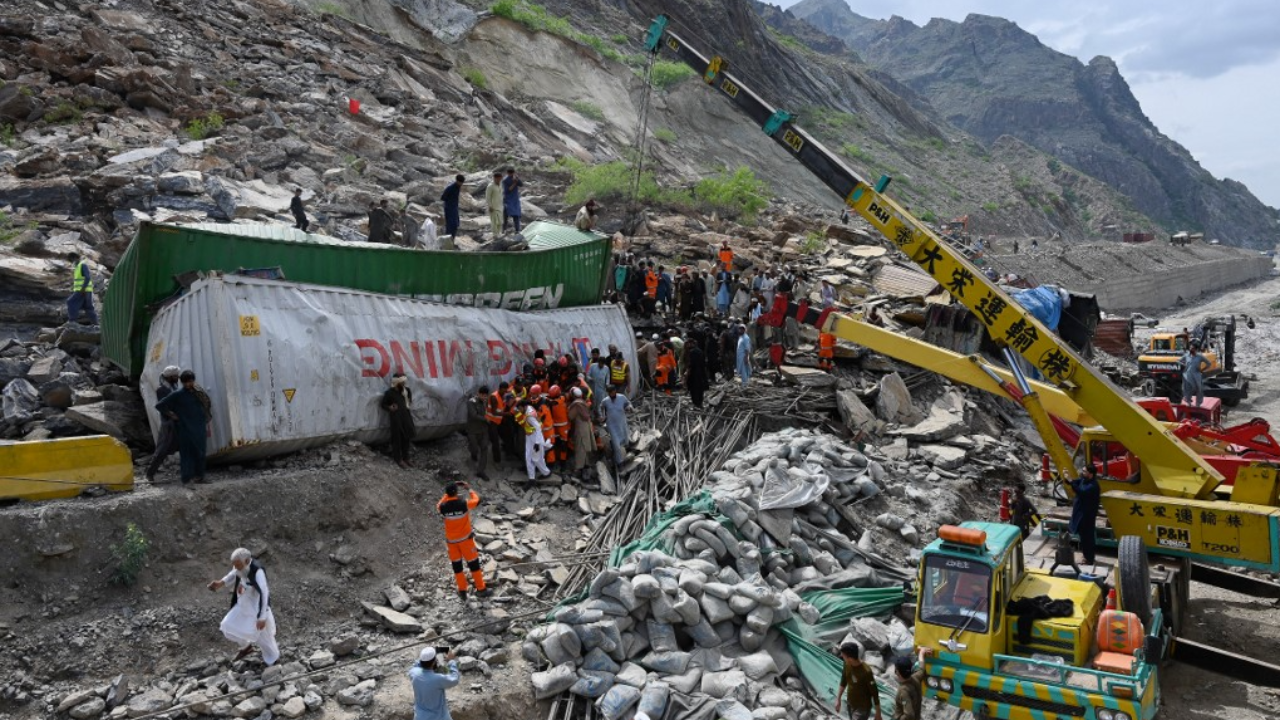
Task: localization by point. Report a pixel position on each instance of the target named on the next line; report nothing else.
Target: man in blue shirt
(511, 185)
(429, 686)
(450, 197)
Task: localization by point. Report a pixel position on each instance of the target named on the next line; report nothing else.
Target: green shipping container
(566, 274)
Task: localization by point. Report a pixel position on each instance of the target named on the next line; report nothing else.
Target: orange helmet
(555, 391)
(535, 390)
(539, 362)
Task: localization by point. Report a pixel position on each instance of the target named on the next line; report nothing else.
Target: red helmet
(539, 362)
(555, 391)
(535, 390)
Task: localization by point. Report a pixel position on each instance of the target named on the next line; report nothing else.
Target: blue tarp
(1044, 303)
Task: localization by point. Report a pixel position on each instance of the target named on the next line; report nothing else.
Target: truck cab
(991, 661)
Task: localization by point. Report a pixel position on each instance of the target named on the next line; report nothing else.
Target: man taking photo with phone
(429, 684)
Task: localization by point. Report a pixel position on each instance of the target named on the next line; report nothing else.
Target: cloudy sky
(1205, 72)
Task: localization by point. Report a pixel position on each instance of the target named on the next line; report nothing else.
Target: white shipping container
(289, 366)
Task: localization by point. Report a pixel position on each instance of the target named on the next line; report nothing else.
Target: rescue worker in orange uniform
(651, 279)
(548, 430)
(461, 541)
(560, 423)
(826, 351)
(726, 256)
(665, 377)
(493, 410)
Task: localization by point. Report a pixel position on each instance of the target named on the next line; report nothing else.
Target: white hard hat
(577, 392)
(171, 371)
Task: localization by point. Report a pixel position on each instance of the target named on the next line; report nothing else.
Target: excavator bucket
(47, 469)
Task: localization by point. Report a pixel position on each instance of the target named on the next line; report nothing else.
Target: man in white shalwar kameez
(250, 621)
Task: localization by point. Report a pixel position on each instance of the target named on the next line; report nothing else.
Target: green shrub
(668, 74)
(733, 194)
(619, 39)
(612, 181)
(588, 110)
(665, 135)
(201, 128)
(991, 206)
(853, 151)
(928, 216)
(7, 135)
(814, 242)
(65, 112)
(1054, 166)
(533, 16)
(130, 555)
(333, 8)
(475, 77)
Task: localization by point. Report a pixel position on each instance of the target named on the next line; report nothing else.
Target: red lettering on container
(373, 354)
(498, 354)
(430, 347)
(400, 357)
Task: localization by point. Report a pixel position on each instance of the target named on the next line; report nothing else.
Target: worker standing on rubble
(664, 377)
(828, 294)
(511, 185)
(598, 378)
(1084, 511)
(455, 509)
(665, 288)
(560, 422)
(857, 684)
(478, 430)
(1023, 513)
(583, 439)
(81, 298)
(396, 401)
(534, 444)
(493, 202)
(614, 409)
(298, 211)
(1194, 366)
(493, 413)
(908, 700)
(726, 256)
(619, 370)
(168, 440)
(696, 373)
(826, 351)
(429, 685)
(190, 410)
(744, 355)
(250, 621)
(451, 197)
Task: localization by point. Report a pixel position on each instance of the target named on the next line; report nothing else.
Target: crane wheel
(1134, 581)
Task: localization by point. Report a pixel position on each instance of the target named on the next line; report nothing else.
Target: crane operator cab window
(956, 593)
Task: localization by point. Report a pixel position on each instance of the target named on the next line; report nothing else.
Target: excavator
(998, 651)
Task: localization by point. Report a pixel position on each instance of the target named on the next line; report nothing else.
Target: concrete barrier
(1138, 277)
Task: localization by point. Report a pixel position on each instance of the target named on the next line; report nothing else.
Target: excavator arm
(1175, 469)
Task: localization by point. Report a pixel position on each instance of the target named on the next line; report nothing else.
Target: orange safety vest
(457, 516)
(826, 345)
(544, 417)
(726, 258)
(493, 408)
(560, 417)
(666, 365)
(651, 284)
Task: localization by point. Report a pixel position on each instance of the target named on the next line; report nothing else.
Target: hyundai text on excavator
(1095, 663)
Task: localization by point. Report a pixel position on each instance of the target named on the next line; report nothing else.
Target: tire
(1149, 388)
(1134, 583)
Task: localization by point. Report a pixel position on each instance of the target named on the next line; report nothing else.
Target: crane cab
(987, 659)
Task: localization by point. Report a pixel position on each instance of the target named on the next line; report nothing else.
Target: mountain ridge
(989, 77)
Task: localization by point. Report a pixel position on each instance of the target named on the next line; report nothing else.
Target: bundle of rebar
(690, 444)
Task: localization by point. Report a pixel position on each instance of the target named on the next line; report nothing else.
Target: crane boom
(1176, 470)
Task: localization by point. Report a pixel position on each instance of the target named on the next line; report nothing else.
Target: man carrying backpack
(250, 621)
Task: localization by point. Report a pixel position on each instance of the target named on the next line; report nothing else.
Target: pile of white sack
(698, 626)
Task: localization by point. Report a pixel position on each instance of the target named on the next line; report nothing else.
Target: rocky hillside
(991, 78)
(201, 110)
